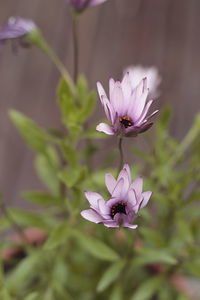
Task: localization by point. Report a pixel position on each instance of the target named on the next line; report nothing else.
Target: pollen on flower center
(120, 207)
(126, 121)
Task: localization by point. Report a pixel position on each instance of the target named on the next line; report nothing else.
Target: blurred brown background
(164, 33)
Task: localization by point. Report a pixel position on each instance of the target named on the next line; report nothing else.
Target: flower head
(137, 73)
(16, 28)
(80, 5)
(126, 200)
(127, 109)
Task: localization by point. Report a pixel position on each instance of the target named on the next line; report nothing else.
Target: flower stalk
(121, 154)
(75, 46)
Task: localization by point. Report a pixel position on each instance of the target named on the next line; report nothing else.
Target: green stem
(75, 45)
(121, 155)
(43, 45)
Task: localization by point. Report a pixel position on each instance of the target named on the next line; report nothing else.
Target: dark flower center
(126, 121)
(120, 207)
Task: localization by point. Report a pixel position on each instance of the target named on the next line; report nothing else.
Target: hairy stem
(121, 155)
(75, 46)
(43, 45)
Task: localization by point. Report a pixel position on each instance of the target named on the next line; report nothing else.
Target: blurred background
(163, 33)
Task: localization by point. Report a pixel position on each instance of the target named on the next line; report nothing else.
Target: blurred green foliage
(82, 260)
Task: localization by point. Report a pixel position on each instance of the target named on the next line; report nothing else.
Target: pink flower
(126, 200)
(137, 73)
(80, 5)
(127, 108)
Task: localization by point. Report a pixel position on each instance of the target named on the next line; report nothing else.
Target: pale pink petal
(91, 215)
(151, 115)
(132, 197)
(146, 197)
(109, 111)
(103, 127)
(101, 91)
(111, 224)
(144, 113)
(126, 87)
(96, 2)
(123, 174)
(93, 198)
(111, 86)
(117, 99)
(137, 185)
(110, 182)
(138, 100)
(118, 189)
(103, 208)
(131, 226)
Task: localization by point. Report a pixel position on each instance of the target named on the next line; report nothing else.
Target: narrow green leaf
(41, 198)
(34, 136)
(27, 218)
(66, 102)
(32, 296)
(47, 173)
(117, 293)
(110, 275)
(71, 176)
(147, 289)
(57, 237)
(95, 247)
(149, 256)
(69, 153)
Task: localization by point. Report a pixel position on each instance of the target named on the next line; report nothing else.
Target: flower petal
(138, 100)
(144, 113)
(101, 91)
(117, 99)
(103, 208)
(137, 185)
(91, 215)
(103, 127)
(131, 226)
(132, 197)
(126, 87)
(93, 198)
(123, 174)
(110, 182)
(146, 197)
(111, 86)
(118, 189)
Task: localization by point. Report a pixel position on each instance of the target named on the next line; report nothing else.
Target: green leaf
(147, 289)
(69, 153)
(149, 256)
(88, 107)
(95, 247)
(57, 237)
(47, 173)
(154, 237)
(34, 136)
(41, 198)
(110, 275)
(25, 218)
(117, 293)
(4, 294)
(71, 176)
(24, 272)
(66, 103)
(82, 86)
(32, 296)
